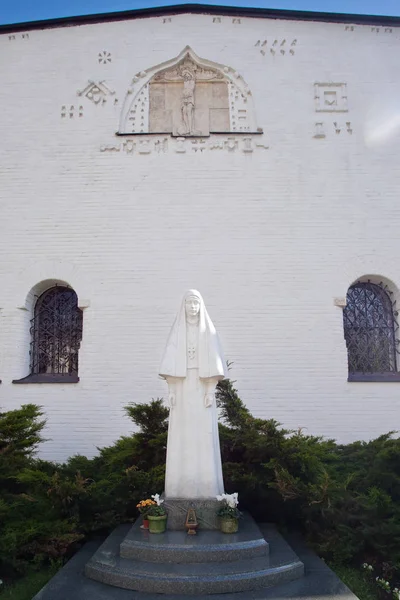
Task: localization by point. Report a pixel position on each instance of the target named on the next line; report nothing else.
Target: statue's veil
(211, 360)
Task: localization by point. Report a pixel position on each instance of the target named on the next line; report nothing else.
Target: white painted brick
(270, 238)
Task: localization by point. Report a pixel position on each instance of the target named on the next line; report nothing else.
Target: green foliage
(228, 512)
(47, 509)
(345, 498)
(30, 584)
(156, 510)
(20, 434)
(353, 578)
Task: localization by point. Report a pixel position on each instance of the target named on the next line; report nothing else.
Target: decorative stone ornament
(188, 96)
(96, 92)
(330, 97)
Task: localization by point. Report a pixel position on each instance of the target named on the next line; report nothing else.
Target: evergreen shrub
(344, 498)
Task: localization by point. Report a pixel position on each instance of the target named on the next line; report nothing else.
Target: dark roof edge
(262, 13)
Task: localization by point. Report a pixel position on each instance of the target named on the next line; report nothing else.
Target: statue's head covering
(211, 361)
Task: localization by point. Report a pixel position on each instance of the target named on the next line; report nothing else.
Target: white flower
(157, 500)
(231, 499)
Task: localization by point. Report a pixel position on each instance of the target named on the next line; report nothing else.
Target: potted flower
(228, 513)
(157, 516)
(144, 507)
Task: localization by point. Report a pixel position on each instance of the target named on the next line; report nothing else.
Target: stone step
(319, 583)
(106, 566)
(205, 546)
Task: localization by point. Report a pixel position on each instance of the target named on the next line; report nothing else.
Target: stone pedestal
(206, 512)
(210, 562)
(70, 583)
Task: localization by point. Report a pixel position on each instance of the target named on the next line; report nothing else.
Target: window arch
(370, 328)
(56, 334)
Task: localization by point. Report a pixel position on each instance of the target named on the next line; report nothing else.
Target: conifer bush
(345, 498)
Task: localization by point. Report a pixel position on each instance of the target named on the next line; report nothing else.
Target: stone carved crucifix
(181, 100)
(187, 102)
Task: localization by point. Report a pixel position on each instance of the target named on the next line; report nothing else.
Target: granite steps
(319, 582)
(238, 572)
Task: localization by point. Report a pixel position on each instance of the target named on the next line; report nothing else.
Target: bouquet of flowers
(144, 506)
(229, 509)
(156, 510)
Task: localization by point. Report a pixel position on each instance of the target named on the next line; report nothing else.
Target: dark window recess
(370, 328)
(56, 334)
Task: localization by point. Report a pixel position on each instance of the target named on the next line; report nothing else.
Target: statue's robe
(193, 364)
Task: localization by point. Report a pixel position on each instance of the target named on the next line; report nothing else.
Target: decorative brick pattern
(270, 238)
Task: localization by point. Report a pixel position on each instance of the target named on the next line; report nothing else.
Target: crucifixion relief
(188, 96)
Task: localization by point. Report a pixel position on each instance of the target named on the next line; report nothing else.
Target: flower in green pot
(144, 506)
(229, 513)
(157, 516)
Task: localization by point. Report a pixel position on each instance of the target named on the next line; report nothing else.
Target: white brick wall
(269, 238)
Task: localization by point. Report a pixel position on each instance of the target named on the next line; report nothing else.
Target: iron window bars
(56, 334)
(370, 327)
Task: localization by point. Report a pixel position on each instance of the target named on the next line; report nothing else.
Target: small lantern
(191, 521)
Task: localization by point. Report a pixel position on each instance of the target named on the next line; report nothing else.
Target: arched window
(56, 331)
(370, 333)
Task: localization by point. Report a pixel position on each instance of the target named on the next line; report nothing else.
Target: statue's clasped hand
(209, 399)
(171, 399)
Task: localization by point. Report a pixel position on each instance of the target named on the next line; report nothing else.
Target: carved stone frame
(142, 79)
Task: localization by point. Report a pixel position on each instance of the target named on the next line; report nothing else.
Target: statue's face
(192, 306)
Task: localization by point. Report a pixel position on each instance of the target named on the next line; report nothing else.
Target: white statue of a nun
(192, 365)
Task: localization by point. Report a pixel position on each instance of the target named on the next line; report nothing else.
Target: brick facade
(272, 237)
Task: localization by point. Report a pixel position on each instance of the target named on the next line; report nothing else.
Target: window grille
(370, 328)
(56, 331)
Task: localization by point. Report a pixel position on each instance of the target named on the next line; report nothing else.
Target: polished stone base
(179, 547)
(206, 512)
(209, 563)
(319, 582)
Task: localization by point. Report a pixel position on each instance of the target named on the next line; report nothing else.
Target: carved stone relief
(378, 29)
(188, 96)
(71, 111)
(319, 132)
(182, 145)
(335, 126)
(341, 302)
(276, 47)
(373, 29)
(96, 92)
(188, 100)
(22, 36)
(330, 97)
(104, 57)
(139, 113)
(238, 109)
(339, 127)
